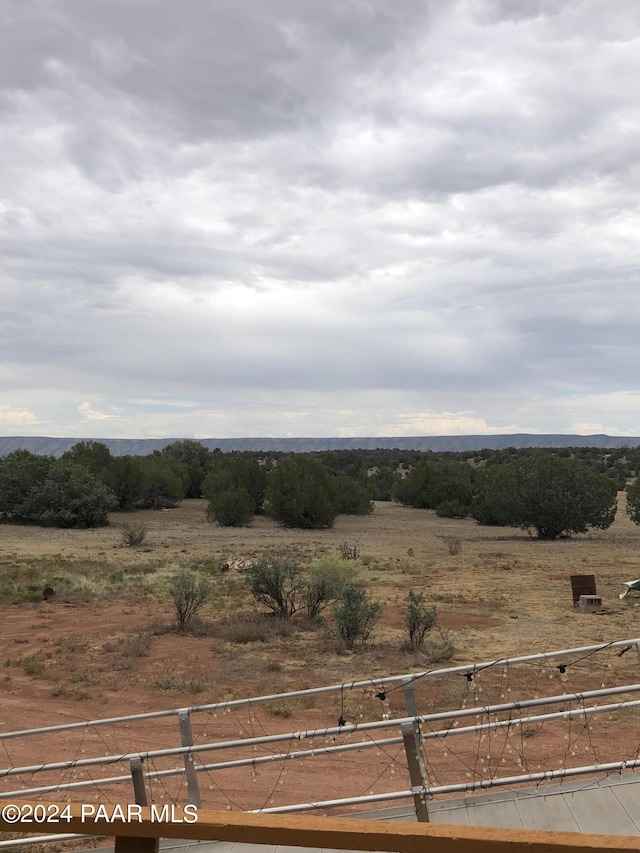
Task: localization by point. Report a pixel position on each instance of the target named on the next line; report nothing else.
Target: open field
(103, 646)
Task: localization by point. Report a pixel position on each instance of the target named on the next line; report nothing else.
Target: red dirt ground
(503, 595)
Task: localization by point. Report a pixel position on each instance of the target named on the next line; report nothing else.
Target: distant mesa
(455, 443)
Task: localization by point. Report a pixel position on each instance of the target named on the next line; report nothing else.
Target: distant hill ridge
(43, 445)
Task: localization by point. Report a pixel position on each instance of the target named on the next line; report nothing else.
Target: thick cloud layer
(355, 217)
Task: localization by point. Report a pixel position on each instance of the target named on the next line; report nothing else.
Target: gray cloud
(286, 217)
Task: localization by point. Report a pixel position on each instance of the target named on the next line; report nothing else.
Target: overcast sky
(228, 218)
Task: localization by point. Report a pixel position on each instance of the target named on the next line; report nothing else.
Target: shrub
(418, 619)
(454, 544)
(20, 472)
(277, 584)
(195, 459)
(136, 645)
(328, 576)
(439, 647)
(549, 494)
(94, 455)
(172, 684)
(280, 708)
(429, 484)
(188, 593)
(133, 533)
(381, 480)
(149, 482)
(321, 591)
(633, 501)
(231, 507)
(33, 666)
(232, 473)
(452, 509)
(124, 477)
(129, 648)
(67, 496)
(349, 552)
(163, 482)
(354, 497)
(302, 493)
(253, 628)
(355, 615)
(199, 627)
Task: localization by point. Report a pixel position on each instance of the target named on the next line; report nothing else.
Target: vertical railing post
(139, 786)
(186, 737)
(413, 748)
(418, 781)
(123, 844)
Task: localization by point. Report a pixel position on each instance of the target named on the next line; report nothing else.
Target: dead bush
(439, 647)
(454, 544)
(254, 628)
(133, 533)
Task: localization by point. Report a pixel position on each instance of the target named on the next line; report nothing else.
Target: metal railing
(410, 727)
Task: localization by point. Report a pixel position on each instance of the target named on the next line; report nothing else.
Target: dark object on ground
(48, 593)
(582, 585)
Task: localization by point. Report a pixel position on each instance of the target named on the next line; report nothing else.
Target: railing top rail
(309, 734)
(465, 669)
(255, 761)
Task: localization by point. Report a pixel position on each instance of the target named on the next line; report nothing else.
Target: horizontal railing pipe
(472, 669)
(459, 788)
(534, 718)
(440, 734)
(202, 768)
(313, 733)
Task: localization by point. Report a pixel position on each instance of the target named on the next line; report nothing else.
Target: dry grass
(107, 644)
(503, 592)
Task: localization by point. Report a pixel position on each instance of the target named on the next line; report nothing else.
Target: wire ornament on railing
(478, 727)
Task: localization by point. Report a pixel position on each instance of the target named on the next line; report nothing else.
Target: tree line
(551, 492)
(86, 484)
